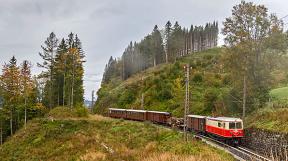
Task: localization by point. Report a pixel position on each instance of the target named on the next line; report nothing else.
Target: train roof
(197, 116)
(117, 109)
(135, 110)
(228, 119)
(160, 112)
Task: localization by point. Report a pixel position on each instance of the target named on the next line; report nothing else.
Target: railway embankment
(267, 132)
(268, 143)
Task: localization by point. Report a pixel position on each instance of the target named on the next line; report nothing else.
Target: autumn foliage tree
(249, 51)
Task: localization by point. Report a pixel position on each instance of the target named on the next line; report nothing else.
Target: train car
(139, 115)
(158, 117)
(196, 123)
(117, 113)
(229, 129)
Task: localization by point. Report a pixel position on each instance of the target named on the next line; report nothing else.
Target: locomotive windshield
(235, 125)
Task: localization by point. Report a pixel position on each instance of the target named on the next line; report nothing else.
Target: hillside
(274, 116)
(279, 96)
(164, 90)
(272, 119)
(98, 138)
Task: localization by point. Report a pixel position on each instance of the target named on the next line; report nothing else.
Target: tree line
(161, 46)
(23, 96)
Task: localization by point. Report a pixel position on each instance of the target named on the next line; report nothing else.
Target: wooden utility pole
(92, 103)
(142, 95)
(1, 132)
(186, 110)
(244, 97)
(1, 128)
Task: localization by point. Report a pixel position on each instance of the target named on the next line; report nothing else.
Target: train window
(232, 125)
(235, 125)
(238, 125)
(219, 124)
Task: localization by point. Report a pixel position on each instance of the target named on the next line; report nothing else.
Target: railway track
(239, 153)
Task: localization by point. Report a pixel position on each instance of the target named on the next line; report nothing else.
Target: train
(227, 129)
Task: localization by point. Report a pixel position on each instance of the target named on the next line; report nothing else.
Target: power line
(283, 17)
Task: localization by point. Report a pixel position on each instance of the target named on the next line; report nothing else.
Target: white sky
(104, 27)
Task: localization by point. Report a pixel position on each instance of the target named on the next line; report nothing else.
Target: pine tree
(157, 47)
(61, 72)
(75, 70)
(168, 31)
(49, 51)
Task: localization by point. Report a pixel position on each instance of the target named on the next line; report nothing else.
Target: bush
(81, 111)
(165, 94)
(226, 80)
(198, 78)
(210, 98)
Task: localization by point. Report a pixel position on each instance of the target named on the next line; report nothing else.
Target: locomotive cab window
(235, 125)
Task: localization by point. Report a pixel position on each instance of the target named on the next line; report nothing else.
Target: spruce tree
(48, 56)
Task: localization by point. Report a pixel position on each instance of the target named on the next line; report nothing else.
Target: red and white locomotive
(227, 129)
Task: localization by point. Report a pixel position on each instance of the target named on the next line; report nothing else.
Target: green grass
(88, 139)
(279, 93)
(269, 119)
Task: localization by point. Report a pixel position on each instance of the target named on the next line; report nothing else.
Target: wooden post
(186, 110)
(244, 97)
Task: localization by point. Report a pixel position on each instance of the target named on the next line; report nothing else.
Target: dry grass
(175, 157)
(103, 139)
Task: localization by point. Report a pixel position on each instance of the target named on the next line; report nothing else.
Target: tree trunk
(244, 97)
(25, 123)
(1, 132)
(63, 101)
(166, 56)
(72, 86)
(11, 122)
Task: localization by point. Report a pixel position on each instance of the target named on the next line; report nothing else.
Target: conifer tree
(168, 30)
(48, 56)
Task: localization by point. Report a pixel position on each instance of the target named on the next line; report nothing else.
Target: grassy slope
(280, 93)
(280, 96)
(163, 87)
(272, 118)
(269, 119)
(88, 139)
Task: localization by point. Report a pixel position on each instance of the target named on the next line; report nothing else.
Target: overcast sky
(104, 27)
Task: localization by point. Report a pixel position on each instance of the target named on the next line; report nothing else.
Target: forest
(24, 96)
(162, 46)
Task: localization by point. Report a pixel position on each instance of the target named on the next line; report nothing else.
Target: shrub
(81, 111)
(198, 78)
(226, 80)
(210, 98)
(165, 94)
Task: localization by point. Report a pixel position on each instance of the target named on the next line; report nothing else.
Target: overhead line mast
(186, 110)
